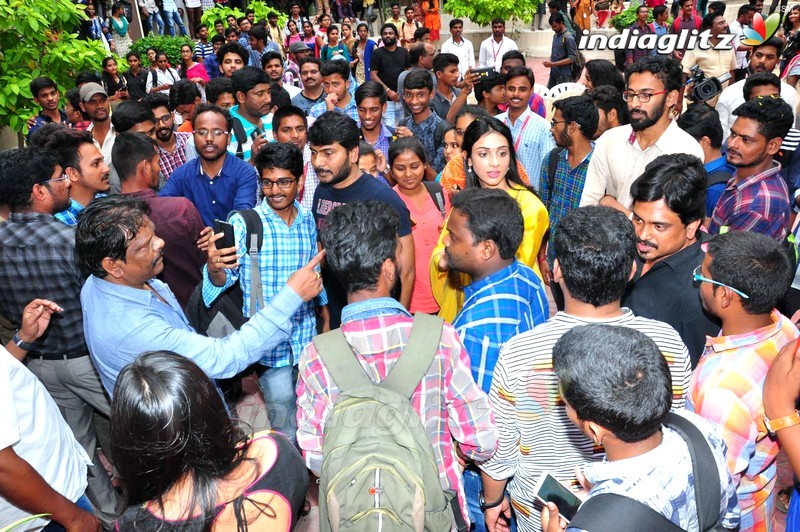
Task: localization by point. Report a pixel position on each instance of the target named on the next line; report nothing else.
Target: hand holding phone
(228, 239)
(221, 249)
(548, 489)
(483, 72)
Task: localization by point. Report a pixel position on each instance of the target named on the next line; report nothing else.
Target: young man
(290, 125)
(638, 28)
(422, 35)
(260, 44)
(244, 26)
(163, 77)
(336, 83)
(232, 35)
(668, 208)
(362, 250)
(460, 47)
(686, 21)
(334, 140)
(595, 248)
(231, 57)
(219, 92)
(757, 198)
(514, 58)
(371, 104)
(622, 153)
(396, 17)
(563, 52)
(177, 222)
(490, 93)
(216, 182)
(531, 132)
(274, 32)
(135, 77)
(297, 53)
(423, 123)
(421, 57)
(183, 97)
(313, 92)
(492, 48)
(294, 14)
(385, 67)
(211, 63)
(617, 390)
(289, 242)
(94, 102)
(556, 6)
(272, 63)
(203, 48)
(407, 28)
(175, 148)
(743, 276)
(447, 98)
(744, 19)
(46, 95)
(75, 116)
(611, 107)
(251, 88)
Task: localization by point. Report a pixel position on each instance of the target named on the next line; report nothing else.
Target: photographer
(713, 63)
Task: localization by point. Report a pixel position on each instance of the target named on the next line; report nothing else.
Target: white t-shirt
(31, 424)
(491, 52)
(292, 90)
(464, 51)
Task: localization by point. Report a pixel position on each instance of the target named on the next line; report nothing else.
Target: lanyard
(494, 53)
(522, 129)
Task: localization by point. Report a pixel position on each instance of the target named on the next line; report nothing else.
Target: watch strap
(26, 346)
(774, 425)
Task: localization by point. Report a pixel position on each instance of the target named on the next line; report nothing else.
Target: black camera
(703, 87)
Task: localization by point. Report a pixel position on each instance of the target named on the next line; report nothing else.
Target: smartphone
(483, 72)
(228, 240)
(548, 489)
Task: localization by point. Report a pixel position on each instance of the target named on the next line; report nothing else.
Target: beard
(389, 41)
(338, 177)
(649, 120)
(563, 140)
(164, 134)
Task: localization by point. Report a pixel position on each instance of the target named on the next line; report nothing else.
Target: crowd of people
(528, 286)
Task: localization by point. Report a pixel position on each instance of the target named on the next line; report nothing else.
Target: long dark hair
(168, 420)
(483, 126)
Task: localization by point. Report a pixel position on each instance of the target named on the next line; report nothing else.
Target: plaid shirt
(377, 330)
(759, 204)
(726, 389)
(499, 306)
(37, 259)
(350, 110)
(171, 161)
(70, 215)
(384, 139)
(285, 250)
(634, 54)
(312, 180)
(425, 132)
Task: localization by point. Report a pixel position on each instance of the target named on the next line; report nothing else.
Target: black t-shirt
(326, 199)
(137, 84)
(389, 65)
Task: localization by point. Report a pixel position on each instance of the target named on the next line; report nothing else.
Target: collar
(520, 118)
(634, 467)
(145, 193)
(673, 125)
(750, 339)
(753, 179)
(496, 277)
(716, 164)
(686, 259)
(265, 209)
(222, 171)
(134, 295)
(372, 307)
(30, 217)
(61, 113)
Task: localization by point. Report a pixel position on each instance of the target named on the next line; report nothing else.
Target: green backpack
(378, 467)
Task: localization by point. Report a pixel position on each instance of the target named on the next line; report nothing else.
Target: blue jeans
(278, 387)
(155, 21)
(793, 518)
(82, 503)
(172, 18)
(472, 489)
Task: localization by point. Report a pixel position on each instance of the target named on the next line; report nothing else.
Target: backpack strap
(601, 513)
(340, 361)
(240, 136)
(411, 367)
(437, 195)
(254, 231)
(552, 164)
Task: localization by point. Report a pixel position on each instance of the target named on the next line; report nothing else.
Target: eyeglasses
(63, 177)
(283, 184)
(555, 122)
(165, 118)
(215, 132)
(643, 97)
(697, 277)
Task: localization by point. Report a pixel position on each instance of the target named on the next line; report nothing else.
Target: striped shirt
(285, 250)
(499, 306)
(726, 389)
(203, 50)
(535, 433)
(452, 408)
(311, 180)
(532, 141)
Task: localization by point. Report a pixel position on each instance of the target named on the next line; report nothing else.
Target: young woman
(119, 30)
(191, 69)
(115, 84)
(334, 46)
(791, 33)
(583, 14)
(407, 161)
(601, 72)
(309, 38)
(347, 36)
(294, 35)
(451, 147)
(433, 20)
(321, 36)
(362, 52)
(187, 465)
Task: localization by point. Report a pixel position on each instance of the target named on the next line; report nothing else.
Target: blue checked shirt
(285, 249)
(384, 139)
(496, 308)
(350, 110)
(70, 215)
(532, 141)
(425, 131)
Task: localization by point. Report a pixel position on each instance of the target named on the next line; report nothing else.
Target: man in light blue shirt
(127, 311)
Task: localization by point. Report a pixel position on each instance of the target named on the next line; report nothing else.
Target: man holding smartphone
(251, 90)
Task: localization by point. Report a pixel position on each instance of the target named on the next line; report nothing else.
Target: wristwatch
(774, 425)
(25, 346)
(485, 506)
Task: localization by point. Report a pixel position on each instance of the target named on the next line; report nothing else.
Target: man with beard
(312, 92)
(494, 47)
(46, 95)
(622, 153)
(175, 148)
(94, 102)
(251, 88)
(756, 198)
(216, 182)
(763, 58)
(290, 125)
(668, 208)
(563, 52)
(385, 67)
(334, 140)
(37, 260)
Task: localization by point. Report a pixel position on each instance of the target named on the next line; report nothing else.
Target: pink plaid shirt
(464, 416)
(171, 161)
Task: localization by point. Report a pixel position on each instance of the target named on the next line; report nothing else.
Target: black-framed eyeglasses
(164, 118)
(555, 122)
(643, 97)
(283, 184)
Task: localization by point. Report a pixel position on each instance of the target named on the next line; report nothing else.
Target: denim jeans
(155, 21)
(82, 503)
(172, 18)
(278, 387)
(472, 489)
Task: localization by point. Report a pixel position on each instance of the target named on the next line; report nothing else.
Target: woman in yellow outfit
(491, 163)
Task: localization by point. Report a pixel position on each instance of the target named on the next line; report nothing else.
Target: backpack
(225, 316)
(241, 137)
(576, 67)
(601, 513)
(437, 195)
(378, 467)
(552, 163)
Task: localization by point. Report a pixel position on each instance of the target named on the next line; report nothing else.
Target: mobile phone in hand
(548, 489)
(228, 239)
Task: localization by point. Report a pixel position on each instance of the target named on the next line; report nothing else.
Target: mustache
(648, 243)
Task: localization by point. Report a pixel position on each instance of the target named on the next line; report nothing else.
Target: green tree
(37, 39)
(260, 11)
(482, 12)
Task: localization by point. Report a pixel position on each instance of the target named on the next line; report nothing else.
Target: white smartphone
(548, 489)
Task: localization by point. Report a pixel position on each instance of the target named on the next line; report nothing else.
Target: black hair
(370, 89)
(161, 54)
(334, 128)
(280, 155)
(666, 69)
(603, 72)
(248, 12)
(183, 92)
(270, 55)
(20, 170)
(421, 32)
(774, 116)
(359, 237)
(365, 149)
(554, 4)
(87, 77)
(411, 144)
(73, 96)
(608, 98)
(157, 99)
(239, 20)
(745, 9)
(701, 120)
(105, 229)
(556, 18)
(474, 132)
(615, 377)
(40, 83)
(209, 108)
(416, 52)
(774, 42)
(521, 72)
(132, 54)
(313, 60)
(754, 264)
(200, 27)
(418, 79)
(759, 79)
(487, 83)
(65, 142)
(129, 150)
(329, 68)
(230, 30)
(497, 20)
(472, 110)
(444, 60)
(455, 22)
(286, 112)
(259, 33)
(680, 180)
(279, 97)
(245, 79)
(513, 54)
(217, 87)
(218, 38)
(659, 10)
(232, 48)
(787, 24)
(492, 214)
(388, 25)
(129, 113)
(717, 6)
(581, 110)
(332, 27)
(595, 248)
(708, 19)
